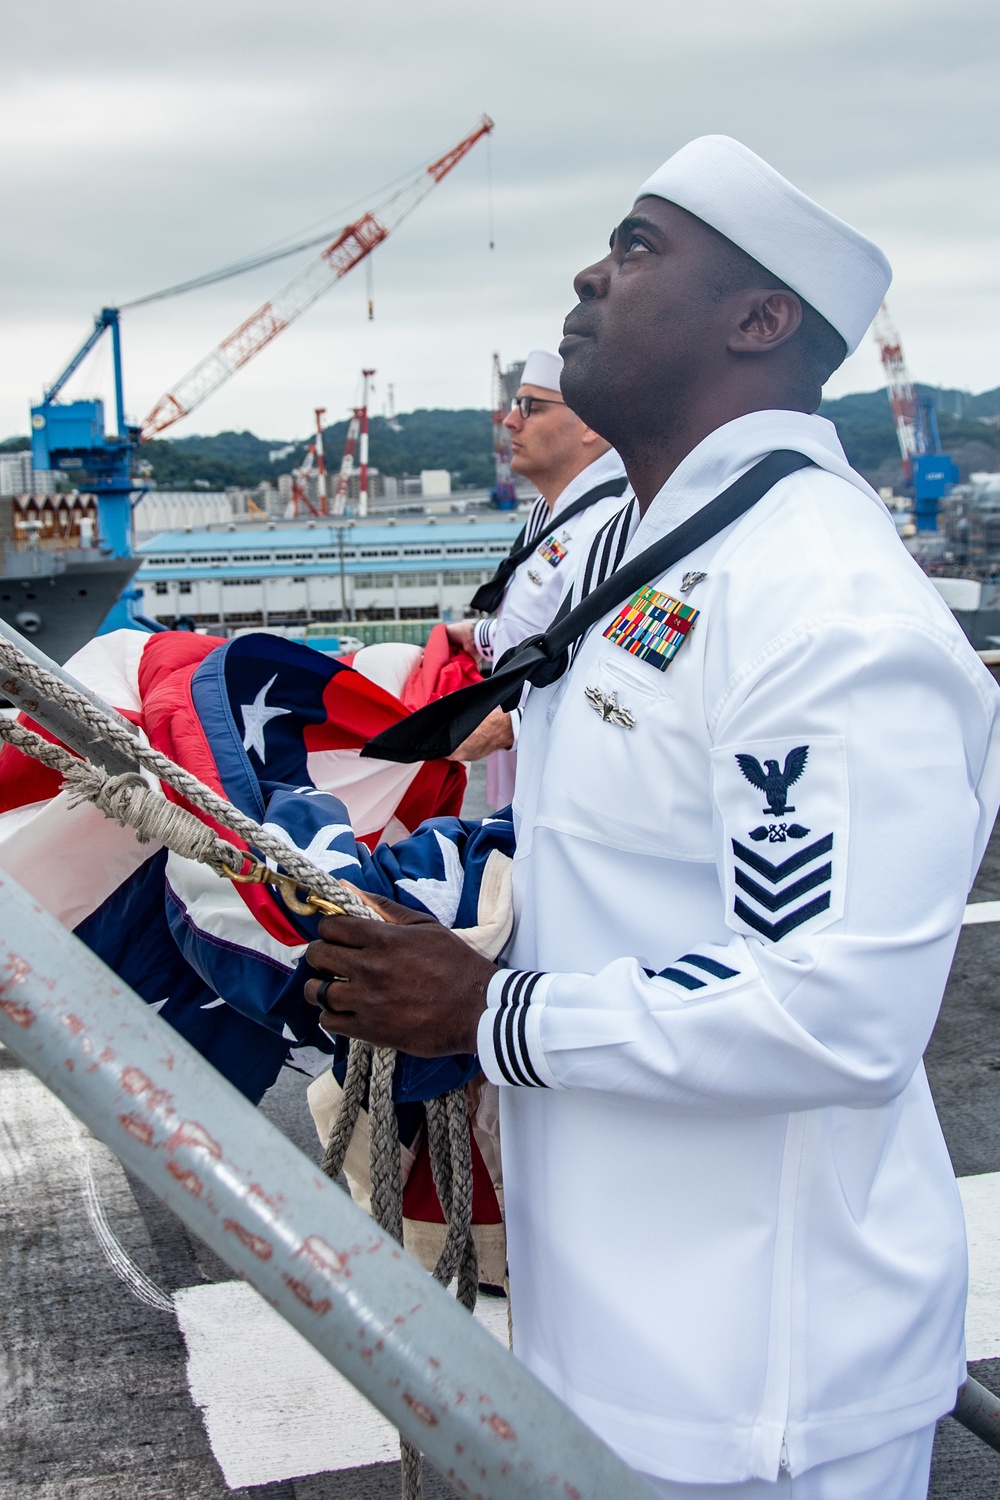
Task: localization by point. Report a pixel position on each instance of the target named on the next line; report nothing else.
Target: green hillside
(968, 424)
(461, 442)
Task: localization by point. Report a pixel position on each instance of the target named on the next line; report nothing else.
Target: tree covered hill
(969, 425)
(461, 441)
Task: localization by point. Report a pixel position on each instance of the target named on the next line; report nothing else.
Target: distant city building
(16, 476)
(969, 528)
(173, 510)
(295, 575)
(435, 483)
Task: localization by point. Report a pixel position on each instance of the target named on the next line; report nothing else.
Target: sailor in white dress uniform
(747, 816)
(582, 483)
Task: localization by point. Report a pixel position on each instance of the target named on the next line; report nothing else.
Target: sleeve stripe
(687, 981)
(519, 986)
(510, 1045)
(522, 1024)
(710, 966)
(498, 1028)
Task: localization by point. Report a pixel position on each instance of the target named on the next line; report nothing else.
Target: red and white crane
(350, 247)
(902, 397)
(314, 463)
(356, 442)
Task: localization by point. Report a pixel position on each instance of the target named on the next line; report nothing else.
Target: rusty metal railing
(486, 1423)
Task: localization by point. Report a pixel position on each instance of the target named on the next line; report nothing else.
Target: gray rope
(387, 1206)
(387, 1180)
(451, 1165)
(359, 1062)
(194, 791)
(129, 800)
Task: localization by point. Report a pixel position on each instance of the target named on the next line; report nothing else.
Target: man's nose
(593, 282)
(513, 419)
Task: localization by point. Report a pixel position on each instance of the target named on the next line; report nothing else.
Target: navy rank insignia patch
(772, 894)
(653, 627)
(552, 552)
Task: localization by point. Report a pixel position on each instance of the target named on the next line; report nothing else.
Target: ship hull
(61, 609)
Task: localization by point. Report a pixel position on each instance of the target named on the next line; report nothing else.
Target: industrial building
(298, 575)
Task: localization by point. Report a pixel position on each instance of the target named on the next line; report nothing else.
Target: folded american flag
(276, 728)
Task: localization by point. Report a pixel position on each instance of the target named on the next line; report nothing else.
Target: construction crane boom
(902, 396)
(350, 247)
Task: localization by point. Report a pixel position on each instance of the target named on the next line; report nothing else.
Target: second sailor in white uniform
(582, 483)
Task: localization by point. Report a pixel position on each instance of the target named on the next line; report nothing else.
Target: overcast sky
(144, 144)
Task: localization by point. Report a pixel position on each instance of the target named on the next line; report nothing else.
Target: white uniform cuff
(515, 725)
(509, 1044)
(483, 637)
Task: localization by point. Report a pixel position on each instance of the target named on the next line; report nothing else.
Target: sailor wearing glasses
(582, 484)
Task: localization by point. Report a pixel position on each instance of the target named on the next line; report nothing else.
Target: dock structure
(297, 575)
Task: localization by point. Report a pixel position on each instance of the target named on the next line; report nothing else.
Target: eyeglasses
(526, 405)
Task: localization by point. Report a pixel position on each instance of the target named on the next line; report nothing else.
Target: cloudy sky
(142, 145)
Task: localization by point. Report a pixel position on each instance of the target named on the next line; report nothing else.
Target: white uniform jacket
(735, 1235)
(536, 589)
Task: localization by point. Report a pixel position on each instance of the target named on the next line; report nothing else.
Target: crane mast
(356, 442)
(347, 250)
(504, 494)
(930, 473)
(902, 397)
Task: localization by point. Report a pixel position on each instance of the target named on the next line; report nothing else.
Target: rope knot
(124, 798)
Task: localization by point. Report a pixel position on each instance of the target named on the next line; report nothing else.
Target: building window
(161, 588)
(417, 580)
(184, 587)
(466, 578)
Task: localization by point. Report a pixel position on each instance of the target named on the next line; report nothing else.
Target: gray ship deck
(99, 1389)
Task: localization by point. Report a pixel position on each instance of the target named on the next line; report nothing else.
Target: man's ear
(764, 321)
(590, 437)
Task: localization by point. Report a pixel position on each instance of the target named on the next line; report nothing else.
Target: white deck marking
(273, 1408)
(981, 1201)
(981, 911)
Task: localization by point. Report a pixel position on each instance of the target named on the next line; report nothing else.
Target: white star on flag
(256, 715)
(320, 848)
(441, 897)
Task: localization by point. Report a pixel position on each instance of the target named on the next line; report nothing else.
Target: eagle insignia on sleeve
(774, 782)
(783, 876)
